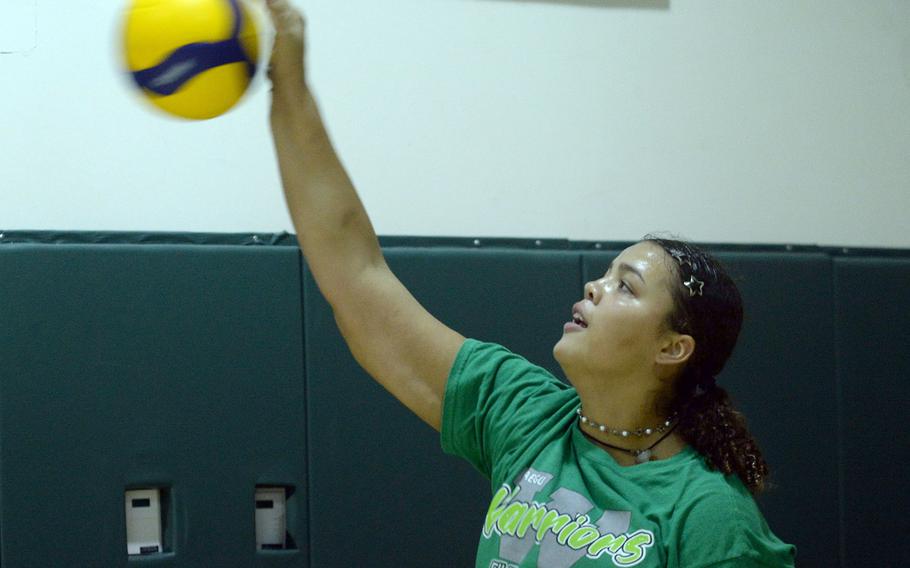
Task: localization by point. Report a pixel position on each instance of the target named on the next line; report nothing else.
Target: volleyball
(191, 58)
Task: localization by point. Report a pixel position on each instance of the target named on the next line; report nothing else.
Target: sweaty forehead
(648, 258)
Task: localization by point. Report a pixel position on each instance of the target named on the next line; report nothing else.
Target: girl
(642, 461)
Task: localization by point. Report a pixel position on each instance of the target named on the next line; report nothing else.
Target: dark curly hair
(707, 420)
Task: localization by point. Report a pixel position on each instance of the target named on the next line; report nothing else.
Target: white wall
(783, 121)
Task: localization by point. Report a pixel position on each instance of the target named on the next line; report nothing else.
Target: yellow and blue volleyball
(191, 58)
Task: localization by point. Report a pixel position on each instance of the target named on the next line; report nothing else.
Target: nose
(594, 290)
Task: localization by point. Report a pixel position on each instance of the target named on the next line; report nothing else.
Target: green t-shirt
(560, 501)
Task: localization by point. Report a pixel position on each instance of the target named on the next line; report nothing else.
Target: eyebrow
(628, 268)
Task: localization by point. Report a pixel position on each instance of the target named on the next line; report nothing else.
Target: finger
(276, 5)
(286, 18)
(279, 10)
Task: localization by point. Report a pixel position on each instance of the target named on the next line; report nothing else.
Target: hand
(286, 68)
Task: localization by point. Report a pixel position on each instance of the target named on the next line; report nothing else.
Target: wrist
(289, 92)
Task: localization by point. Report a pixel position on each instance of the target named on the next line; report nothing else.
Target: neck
(620, 404)
(624, 405)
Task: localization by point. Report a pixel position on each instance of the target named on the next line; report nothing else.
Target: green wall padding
(148, 365)
(210, 364)
(873, 355)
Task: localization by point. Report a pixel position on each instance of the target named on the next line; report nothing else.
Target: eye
(625, 286)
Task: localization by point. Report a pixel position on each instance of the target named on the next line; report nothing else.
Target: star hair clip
(694, 285)
(682, 258)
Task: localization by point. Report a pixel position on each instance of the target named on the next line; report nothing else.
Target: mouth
(578, 322)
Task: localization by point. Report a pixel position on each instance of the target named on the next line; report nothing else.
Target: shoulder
(711, 495)
(497, 404)
(718, 519)
(493, 357)
(490, 366)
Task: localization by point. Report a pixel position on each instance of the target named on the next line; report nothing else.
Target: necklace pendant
(643, 456)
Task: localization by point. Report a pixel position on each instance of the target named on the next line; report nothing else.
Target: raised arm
(390, 334)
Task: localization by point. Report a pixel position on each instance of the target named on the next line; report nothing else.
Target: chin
(567, 343)
(561, 355)
(559, 349)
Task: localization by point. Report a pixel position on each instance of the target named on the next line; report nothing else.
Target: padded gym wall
(131, 366)
(873, 313)
(207, 368)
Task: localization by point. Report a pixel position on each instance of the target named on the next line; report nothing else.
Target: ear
(676, 350)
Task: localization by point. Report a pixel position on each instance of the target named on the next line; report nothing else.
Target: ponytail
(709, 423)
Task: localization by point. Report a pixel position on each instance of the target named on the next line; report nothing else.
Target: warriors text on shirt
(561, 527)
